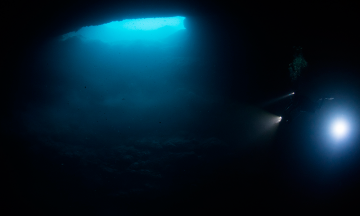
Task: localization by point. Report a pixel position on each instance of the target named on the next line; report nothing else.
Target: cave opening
(130, 29)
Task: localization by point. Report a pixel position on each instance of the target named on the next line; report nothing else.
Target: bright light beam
(339, 128)
(276, 99)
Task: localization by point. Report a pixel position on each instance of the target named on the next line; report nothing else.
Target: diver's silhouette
(301, 103)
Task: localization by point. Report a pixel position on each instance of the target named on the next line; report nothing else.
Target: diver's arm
(321, 101)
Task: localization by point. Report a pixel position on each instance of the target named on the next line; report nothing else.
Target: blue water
(127, 115)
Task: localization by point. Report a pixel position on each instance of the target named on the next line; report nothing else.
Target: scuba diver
(301, 103)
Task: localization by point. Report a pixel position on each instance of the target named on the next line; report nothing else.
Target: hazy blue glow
(339, 128)
(131, 29)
